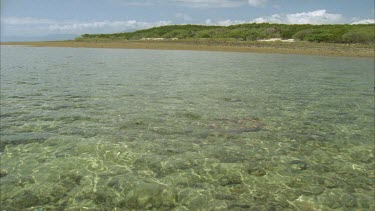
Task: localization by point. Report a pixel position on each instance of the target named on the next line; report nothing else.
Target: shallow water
(182, 130)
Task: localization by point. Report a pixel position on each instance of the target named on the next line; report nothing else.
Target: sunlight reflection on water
(139, 129)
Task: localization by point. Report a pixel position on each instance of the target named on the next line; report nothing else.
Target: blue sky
(41, 18)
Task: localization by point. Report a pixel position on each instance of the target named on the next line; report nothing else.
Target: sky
(60, 19)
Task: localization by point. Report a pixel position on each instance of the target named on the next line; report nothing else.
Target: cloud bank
(313, 17)
(224, 22)
(28, 26)
(105, 26)
(365, 21)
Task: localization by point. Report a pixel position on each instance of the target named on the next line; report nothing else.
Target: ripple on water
(217, 131)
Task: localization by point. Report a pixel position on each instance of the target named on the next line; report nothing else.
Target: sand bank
(304, 48)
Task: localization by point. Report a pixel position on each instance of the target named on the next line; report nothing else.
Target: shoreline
(300, 48)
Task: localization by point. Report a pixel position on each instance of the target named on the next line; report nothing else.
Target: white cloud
(365, 21)
(313, 17)
(257, 3)
(104, 26)
(224, 22)
(28, 26)
(276, 18)
(208, 22)
(229, 22)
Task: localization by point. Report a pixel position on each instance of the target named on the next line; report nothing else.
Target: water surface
(183, 130)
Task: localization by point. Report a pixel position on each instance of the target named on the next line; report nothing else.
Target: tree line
(337, 33)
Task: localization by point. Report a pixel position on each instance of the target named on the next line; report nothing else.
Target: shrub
(203, 34)
(302, 34)
(357, 37)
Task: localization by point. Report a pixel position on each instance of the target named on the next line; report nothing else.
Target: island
(326, 40)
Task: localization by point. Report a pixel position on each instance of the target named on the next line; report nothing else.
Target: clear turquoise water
(181, 130)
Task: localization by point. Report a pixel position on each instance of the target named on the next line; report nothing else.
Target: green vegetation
(364, 33)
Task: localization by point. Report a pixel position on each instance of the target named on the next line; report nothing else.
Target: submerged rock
(256, 169)
(298, 165)
(194, 200)
(312, 190)
(232, 178)
(223, 196)
(362, 156)
(151, 195)
(25, 199)
(3, 172)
